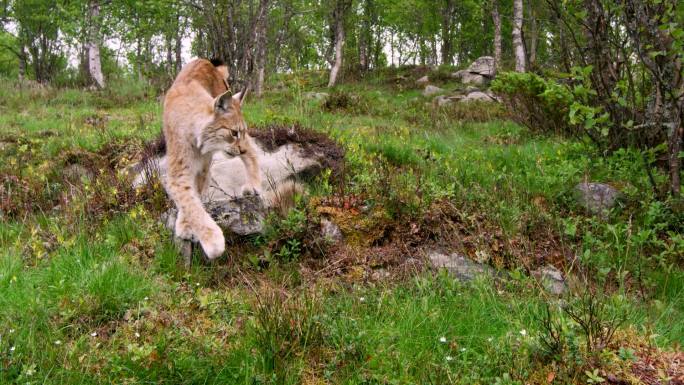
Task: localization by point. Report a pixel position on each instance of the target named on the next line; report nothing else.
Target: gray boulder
(432, 90)
(76, 172)
(485, 66)
(479, 96)
(316, 95)
(478, 73)
(445, 100)
(423, 81)
(458, 75)
(551, 279)
(596, 198)
(462, 268)
(474, 79)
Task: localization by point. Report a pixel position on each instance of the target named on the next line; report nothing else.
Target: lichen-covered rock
(359, 229)
(478, 73)
(551, 279)
(479, 96)
(460, 267)
(423, 81)
(474, 79)
(331, 231)
(485, 66)
(445, 100)
(596, 198)
(432, 90)
(442, 100)
(316, 95)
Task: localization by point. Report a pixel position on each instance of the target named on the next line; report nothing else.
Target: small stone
(76, 173)
(551, 279)
(379, 274)
(459, 266)
(432, 90)
(316, 95)
(479, 96)
(442, 100)
(330, 231)
(596, 198)
(423, 81)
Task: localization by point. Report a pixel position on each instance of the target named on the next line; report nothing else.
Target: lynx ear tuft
(223, 103)
(240, 96)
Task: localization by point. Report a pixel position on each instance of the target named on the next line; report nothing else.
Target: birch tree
(93, 44)
(518, 45)
(338, 20)
(496, 19)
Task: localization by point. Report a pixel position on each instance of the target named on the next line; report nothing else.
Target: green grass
(94, 292)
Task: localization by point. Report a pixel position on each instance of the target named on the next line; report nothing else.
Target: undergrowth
(94, 291)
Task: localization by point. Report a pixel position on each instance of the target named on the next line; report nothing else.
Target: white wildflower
(93, 334)
(362, 299)
(12, 348)
(449, 358)
(463, 349)
(523, 332)
(58, 342)
(442, 340)
(137, 335)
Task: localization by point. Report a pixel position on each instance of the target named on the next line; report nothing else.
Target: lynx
(200, 118)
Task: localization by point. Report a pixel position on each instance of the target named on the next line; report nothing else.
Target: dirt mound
(273, 136)
(313, 144)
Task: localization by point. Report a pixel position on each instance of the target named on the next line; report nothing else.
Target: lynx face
(227, 131)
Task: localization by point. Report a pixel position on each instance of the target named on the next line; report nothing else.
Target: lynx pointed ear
(240, 96)
(223, 103)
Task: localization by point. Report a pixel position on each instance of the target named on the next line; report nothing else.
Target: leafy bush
(539, 104)
(342, 101)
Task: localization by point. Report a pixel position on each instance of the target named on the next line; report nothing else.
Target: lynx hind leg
(203, 177)
(183, 228)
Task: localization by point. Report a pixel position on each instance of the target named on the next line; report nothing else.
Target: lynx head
(227, 128)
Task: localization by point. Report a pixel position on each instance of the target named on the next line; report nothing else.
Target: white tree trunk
(92, 46)
(261, 42)
(340, 11)
(496, 18)
(339, 51)
(518, 45)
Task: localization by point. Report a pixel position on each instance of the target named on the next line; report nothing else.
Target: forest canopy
(610, 72)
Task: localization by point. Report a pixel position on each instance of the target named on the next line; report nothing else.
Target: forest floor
(92, 289)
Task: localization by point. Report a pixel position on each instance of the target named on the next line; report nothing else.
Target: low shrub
(539, 104)
(342, 101)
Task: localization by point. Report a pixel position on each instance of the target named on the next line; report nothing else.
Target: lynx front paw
(251, 190)
(213, 242)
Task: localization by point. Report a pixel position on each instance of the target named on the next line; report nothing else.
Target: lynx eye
(234, 133)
